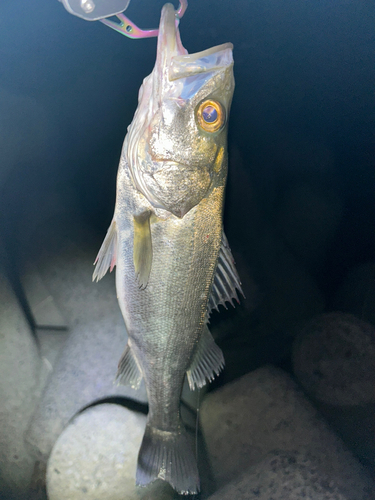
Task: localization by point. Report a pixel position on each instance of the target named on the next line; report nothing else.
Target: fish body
(173, 263)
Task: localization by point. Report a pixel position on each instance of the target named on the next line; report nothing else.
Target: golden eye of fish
(210, 115)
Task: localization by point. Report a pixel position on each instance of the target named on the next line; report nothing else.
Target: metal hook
(131, 30)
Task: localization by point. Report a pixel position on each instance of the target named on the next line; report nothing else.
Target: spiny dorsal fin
(106, 258)
(128, 372)
(207, 362)
(142, 249)
(226, 280)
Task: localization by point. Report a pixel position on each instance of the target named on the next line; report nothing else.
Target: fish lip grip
(99, 10)
(95, 10)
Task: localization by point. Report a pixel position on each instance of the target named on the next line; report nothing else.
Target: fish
(173, 261)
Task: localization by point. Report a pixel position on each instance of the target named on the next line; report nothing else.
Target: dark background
(301, 138)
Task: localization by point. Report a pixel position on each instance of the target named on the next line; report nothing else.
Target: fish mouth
(174, 61)
(169, 41)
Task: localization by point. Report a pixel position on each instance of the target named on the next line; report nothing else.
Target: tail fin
(168, 456)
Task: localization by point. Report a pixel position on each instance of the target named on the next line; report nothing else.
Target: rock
(19, 374)
(96, 456)
(42, 305)
(245, 420)
(356, 295)
(334, 360)
(283, 476)
(50, 344)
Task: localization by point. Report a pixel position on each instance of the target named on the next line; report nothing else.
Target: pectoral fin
(107, 255)
(142, 249)
(226, 279)
(128, 372)
(207, 362)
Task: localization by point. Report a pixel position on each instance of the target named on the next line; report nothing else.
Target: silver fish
(166, 238)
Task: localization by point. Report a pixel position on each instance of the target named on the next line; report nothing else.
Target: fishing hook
(131, 30)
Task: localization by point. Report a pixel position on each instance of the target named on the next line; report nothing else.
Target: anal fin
(207, 362)
(128, 372)
(142, 248)
(106, 258)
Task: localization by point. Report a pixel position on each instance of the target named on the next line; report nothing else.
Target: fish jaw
(171, 158)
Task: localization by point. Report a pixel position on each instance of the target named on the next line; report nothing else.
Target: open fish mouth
(170, 50)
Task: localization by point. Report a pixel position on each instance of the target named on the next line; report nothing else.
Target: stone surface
(334, 360)
(96, 456)
(51, 343)
(356, 295)
(19, 375)
(43, 307)
(264, 411)
(283, 476)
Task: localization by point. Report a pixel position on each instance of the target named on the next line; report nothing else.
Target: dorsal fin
(106, 258)
(226, 281)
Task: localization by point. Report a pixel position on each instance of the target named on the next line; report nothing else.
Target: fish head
(176, 143)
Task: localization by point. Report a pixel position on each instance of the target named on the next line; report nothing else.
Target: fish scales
(166, 239)
(167, 318)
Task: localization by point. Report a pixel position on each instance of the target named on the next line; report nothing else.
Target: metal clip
(131, 30)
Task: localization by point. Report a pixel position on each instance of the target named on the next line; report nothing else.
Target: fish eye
(210, 115)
